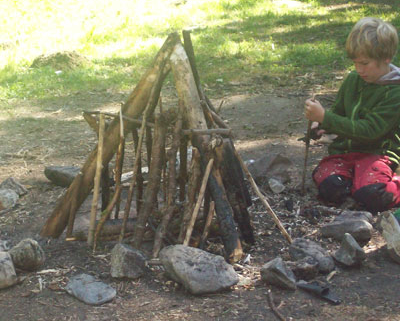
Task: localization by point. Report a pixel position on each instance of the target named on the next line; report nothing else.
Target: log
(236, 190)
(188, 94)
(99, 169)
(198, 202)
(171, 191)
(133, 107)
(193, 188)
(150, 197)
(207, 225)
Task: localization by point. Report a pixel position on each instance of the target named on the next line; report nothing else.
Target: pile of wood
(213, 181)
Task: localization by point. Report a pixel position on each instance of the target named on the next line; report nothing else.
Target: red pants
(362, 169)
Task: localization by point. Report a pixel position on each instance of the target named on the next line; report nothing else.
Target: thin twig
(99, 168)
(199, 200)
(273, 307)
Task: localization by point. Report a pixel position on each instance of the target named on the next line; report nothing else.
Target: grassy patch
(235, 40)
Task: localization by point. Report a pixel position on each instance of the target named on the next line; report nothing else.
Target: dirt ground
(264, 121)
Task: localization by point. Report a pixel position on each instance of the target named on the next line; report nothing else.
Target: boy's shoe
(391, 234)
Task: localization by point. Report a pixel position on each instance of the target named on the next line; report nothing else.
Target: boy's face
(371, 69)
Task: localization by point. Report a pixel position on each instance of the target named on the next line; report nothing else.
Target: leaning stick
(118, 188)
(263, 200)
(199, 200)
(99, 168)
(307, 140)
(207, 224)
(138, 154)
(118, 180)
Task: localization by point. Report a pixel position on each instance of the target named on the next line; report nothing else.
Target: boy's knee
(374, 197)
(335, 189)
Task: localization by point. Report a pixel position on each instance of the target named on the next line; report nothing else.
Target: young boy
(366, 119)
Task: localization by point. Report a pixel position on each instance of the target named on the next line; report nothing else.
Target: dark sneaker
(391, 234)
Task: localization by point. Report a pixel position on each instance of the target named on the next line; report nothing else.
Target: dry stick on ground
(199, 201)
(97, 177)
(150, 197)
(273, 307)
(207, 225)
(138, 155)
(171, 192)
(134, 106)
(193, 188)
(118, 187)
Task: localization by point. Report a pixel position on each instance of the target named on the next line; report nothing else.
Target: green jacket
(366, 117)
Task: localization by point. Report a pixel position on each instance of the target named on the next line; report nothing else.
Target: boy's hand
(314, 111)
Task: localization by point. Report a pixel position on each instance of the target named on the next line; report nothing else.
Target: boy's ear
(388, 61)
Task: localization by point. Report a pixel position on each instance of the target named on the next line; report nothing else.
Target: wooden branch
(207, 225)
(171, 193)
(193, 188)
(194, 116)
(273, 307)
(218, 131)
(119, 167)
(182, 168)
(139, 175)
(73, 209)
(136, 170)
(99, 168)
(236, 189)
(89, 119)
(153, 185)
(199, 201)
(133, 107)
(118, 188)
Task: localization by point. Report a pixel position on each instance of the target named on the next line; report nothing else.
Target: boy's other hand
(314, 111)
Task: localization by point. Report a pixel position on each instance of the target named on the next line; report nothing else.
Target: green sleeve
(378, 122)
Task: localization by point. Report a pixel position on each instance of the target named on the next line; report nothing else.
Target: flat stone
(87, 289)
(347, 215)
(270, 166)
(61, 175)
(27, 255)
(349, 253)
(12, 183)
(304, 269)
(276, 272)
(8, 276)
(301, 248)
(127, 262)
(198, 271)
(360, 229)
(8, 198)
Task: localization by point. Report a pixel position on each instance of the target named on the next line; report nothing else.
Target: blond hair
(373, 38)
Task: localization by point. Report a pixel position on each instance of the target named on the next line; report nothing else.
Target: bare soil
(263, 121)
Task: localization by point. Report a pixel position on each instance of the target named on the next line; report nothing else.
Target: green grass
(234, 40)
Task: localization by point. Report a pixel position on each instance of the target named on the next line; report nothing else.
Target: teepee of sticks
(213, 180)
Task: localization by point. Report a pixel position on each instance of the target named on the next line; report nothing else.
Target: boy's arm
(375, 125)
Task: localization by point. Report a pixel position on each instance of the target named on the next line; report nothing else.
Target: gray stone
(127, 262)
(12, 183)
(270, 166)
(27, 255)
(349, 253)
(61, 175)
(276, 272)
(8, 198)
(304, 269)
(87, 289)
(4, 245)
(347, 215)
(276, 186)
(360, 229)
(198, 271)
(8, 277)
(301, 248)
